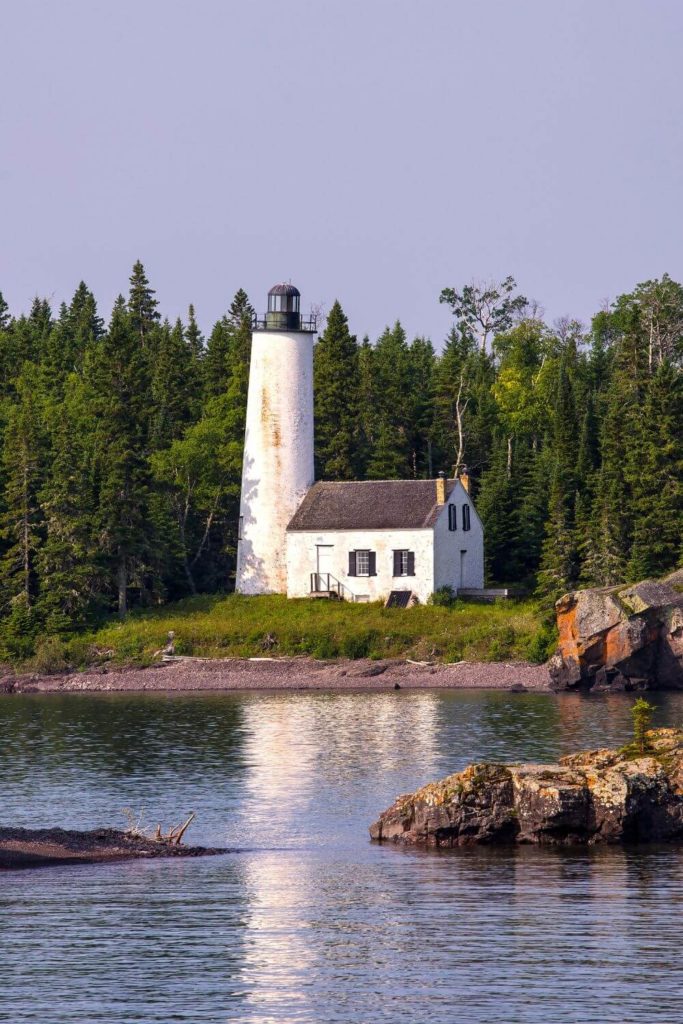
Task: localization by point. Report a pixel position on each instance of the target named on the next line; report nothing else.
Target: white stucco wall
(278, 455)
(302, 561)
(448, 546)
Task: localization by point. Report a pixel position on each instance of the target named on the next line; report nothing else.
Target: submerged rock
(599, 796)
(24, 847)
(621, 638)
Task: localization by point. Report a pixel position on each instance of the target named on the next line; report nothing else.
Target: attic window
(466, 517)
(452, 518)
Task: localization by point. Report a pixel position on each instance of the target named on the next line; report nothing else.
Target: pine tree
(229, 342)
(72, 579)
(142, 306)
(336, 389)
(118, 388)
(175, 383)
(559, 559)
(657, 485)
(389, 457)
(495, 505)
(24, 455)
(420, 413)
(5, 318)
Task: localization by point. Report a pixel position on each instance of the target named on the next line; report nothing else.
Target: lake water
(307, 921)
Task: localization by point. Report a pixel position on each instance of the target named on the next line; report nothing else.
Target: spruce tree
(119, 394)
(142, 306)
(657, 484)
(24, 456)
(559, 559)
(72, 578)
(336, 390)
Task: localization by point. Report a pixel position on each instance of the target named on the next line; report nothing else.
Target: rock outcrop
(621, 638)
(600, 796)
(29, 848)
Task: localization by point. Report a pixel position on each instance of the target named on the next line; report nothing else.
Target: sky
(374, 151)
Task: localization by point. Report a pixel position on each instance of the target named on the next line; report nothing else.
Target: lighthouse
(277, 470)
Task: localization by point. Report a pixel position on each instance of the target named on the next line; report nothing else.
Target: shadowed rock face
(599, 796)
(621, 637)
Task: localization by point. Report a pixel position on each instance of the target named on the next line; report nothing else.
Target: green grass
(236, 626)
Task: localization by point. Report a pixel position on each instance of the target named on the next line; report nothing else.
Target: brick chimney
(464, 478)
(441, 489)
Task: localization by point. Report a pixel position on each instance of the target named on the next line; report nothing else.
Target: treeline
(121, 443)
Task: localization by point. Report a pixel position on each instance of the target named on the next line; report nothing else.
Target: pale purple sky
(370, 150)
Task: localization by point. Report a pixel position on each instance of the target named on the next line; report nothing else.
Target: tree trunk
(26, 540)
(122, 581)
(186, 562)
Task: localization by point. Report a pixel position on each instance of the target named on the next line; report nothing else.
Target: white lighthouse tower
(277, 470)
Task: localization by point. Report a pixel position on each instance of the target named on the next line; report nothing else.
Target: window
(404, 563)
(240, 528)
(362, 563)
(466, 517)
(452, 518)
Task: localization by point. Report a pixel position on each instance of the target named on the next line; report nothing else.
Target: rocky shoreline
(31, 848)
(285, 674)
(597, 796)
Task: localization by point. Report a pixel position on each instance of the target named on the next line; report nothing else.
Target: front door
(324, 564)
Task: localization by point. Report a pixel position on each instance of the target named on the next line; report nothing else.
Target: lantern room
(284, 311)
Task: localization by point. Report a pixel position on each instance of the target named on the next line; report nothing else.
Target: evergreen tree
(389, 457)
(142, 306)
(21, 523)
(496, 507)
(72, 579)
(657, 484)
(336, 390)
(559, 559)
(5, 318)
(118, 389)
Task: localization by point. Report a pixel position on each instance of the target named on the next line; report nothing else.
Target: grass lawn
(236, 626)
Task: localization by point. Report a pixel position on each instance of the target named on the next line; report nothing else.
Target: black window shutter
(372, 563)
(352, 563)
(466, 517)
(397, 563)
(452, 517)
(411, 563)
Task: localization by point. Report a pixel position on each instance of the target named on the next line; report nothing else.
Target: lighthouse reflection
(298, 750)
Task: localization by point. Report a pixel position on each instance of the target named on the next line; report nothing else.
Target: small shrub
(50, 656)
(542, 643)
(357, 645)
(323, 648)
(183, 646)
(79, 652)
(641, 712)
(444, 597)
(502, 644)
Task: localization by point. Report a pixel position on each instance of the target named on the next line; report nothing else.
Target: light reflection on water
(307, 921)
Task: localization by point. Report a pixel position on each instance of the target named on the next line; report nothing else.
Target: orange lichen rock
(621, 637)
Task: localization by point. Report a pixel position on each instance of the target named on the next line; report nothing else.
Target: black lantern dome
(284, 311)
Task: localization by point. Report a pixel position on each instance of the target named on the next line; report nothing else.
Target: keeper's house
(365, 540)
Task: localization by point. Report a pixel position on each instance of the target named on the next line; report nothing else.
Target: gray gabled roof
(369, 505)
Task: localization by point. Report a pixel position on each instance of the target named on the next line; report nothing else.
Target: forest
(121, 442)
